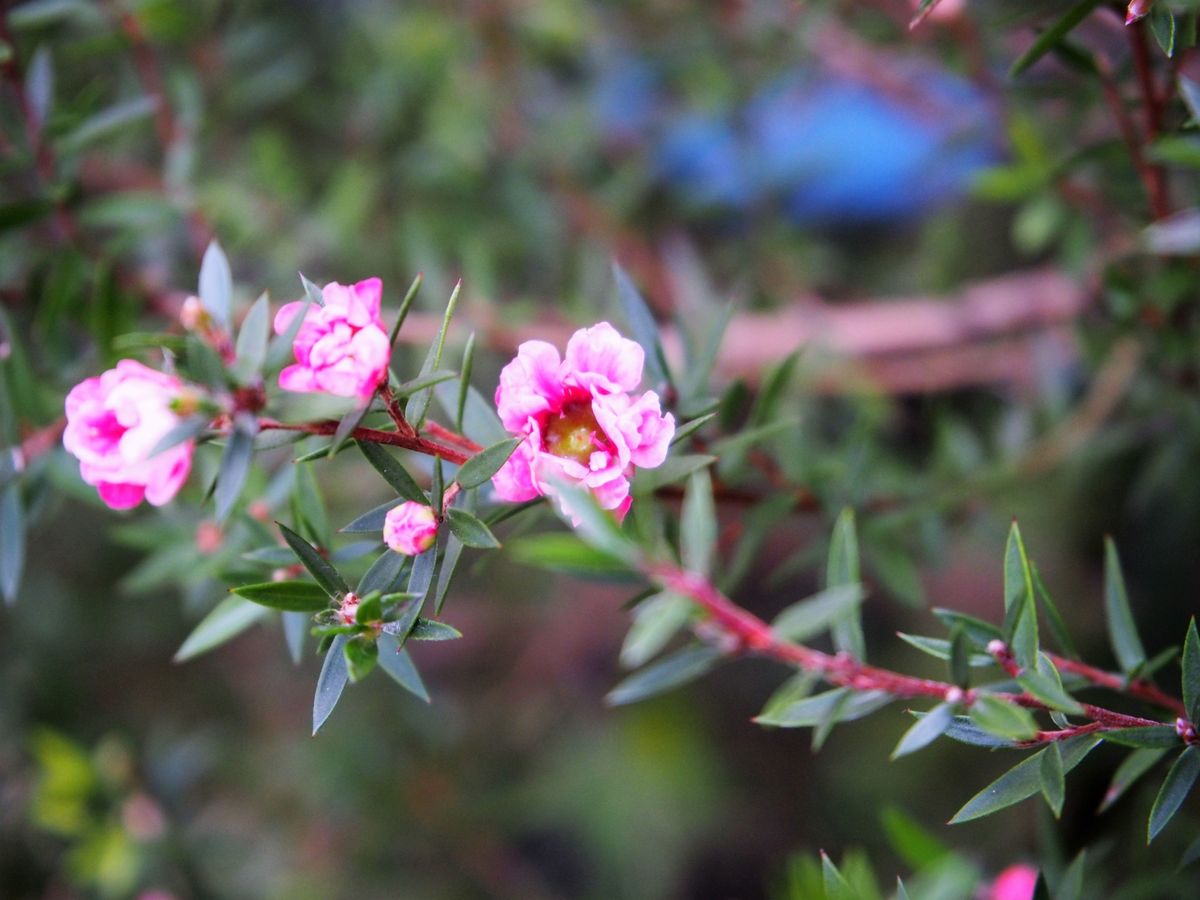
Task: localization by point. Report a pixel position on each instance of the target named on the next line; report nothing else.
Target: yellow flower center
(570, 434)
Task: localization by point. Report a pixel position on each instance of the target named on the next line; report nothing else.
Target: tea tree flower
(342, 347)
(582, 423)
(1014, 883)
(410, 528)
(115, 421)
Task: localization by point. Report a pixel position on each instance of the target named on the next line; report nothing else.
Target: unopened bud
(259, 510)
(349, 608)
(997, 647)
(193, 316)
(1137, 9)
(954, 695)
(209, 537)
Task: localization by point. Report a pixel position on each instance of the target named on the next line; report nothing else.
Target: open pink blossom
(342, 347)
(581, 421)
(114, 421)
(1014, 883)
(410, 528)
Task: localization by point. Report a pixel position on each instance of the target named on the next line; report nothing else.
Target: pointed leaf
(12, 541)
(1160, 736)
(671, 672)
(1133, 767)
(295, 627)
(395, 660)
(330, 683)
(384, 574)
(235, 465)
(372, 520)
(836, 886)
(925, 730)
(1191, 673)
(361, 655)
(814, 614)
(346, 426)
(469, 530)
(405, 305)
(1021, 781)
(811, 711)
(216, 284)
(656, 620)
(320, 569)
(642, 325)
(1020, 609)
(433, 630)
(1070, 886)
(251, 350)
(1122, 632)
(418, 403)
(483, 465)
(294, 596)
(1003, 719)
(843, 569)
(1174, 791)
(393, 473)
(1053, 35)
(454, 549)
(1053, 780)
(229, 618)
(698, 524)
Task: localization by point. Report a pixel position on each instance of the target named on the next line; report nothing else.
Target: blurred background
(978, 344)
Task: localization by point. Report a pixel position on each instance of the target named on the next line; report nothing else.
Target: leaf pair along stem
(753, 635)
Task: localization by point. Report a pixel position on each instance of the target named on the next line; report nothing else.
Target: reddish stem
(451, 437)
(409, 442)
(1139, 688)
(754, 635)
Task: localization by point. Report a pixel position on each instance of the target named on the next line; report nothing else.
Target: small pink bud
(410, 528)
(349, 608)
(259, 510)
(279, 575)
(193, 316)
(997, 647)
(209, 537)
(954, 695)
(1014, 883)
(1137, 9)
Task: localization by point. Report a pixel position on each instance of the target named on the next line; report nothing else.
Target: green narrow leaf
(108, 122)
(698, 525)
(251, 350)
(960, 657)
(361, 655)
(487, 462)
(670, 672)
(1122, 632)
(39, 87)
(479, 420)
(308, 507)
(418, 403)
(235, 464)
(1053, 35)
(566, 553)
(596, 526)
(814, 614)
(464, 380)
(312, 293)
(1191, 673)
(836, 886)
(1153, 736)
(1046, 685)
(421, 577)
(454, 549)
(216, 284)
(433, 630)
(384, 574)
(901, 893)
(687, 429)
(370, 521)
(675, 468)
(811, 711)
(1133, 767)
(1174, 791)
(187, 430)
(979, 631)
(293, 596)
(12, 541)
(393, 473)
(1020, 608)
(1070, 886)
(700, 368)
(843, 568)
(1058, 628)
(915, 845)
(346, 426)
(1003, 719)
(656, 620)
(1022, 781)
(963, 730)
(330, 683)
(295, 628)
(229, 618)
(642, 324)
(925, 730)
(405, 305)
(469, 530)
(395, 660)
(1053, 780)
(320, 569)
(423, 381)
(1162, 24)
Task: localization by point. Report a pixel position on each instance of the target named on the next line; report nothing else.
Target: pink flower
(410, 528)
(342, 347)
(582, 424)
(114, 422)
(1014, 883)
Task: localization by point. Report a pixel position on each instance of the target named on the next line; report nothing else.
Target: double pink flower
(342, 347)
(581, 421)
(114, 422)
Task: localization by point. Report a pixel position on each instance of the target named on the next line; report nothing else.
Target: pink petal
(120, 496)
(530, 384)
(598, 358)
(286, 313)
(297, 378)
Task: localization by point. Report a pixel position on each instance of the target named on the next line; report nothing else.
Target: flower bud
(410, 528)
(193, 316)
(349, 608)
